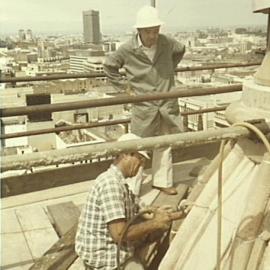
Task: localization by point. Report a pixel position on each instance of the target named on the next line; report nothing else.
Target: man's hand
(168, 208)
(171, 211)
(162, 219)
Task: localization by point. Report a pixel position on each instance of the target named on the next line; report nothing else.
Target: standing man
(109, 207)
(149, 59)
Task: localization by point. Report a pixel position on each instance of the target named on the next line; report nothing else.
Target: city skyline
(62, 15)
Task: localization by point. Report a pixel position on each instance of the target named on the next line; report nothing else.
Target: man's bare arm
(160, 221)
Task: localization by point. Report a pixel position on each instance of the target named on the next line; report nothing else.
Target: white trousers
(135, 182)
(162, 168)
(162, 171)
(133, 266)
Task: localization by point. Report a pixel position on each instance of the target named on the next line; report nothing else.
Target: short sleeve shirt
(109, 199)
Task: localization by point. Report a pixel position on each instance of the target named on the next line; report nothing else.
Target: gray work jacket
(148, 77)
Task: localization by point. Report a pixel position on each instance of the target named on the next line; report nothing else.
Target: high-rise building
(29, 35)
(21, 35)
(91, 27)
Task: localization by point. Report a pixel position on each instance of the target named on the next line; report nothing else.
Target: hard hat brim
(148, 25)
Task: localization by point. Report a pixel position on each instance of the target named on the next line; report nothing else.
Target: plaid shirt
(109, 199)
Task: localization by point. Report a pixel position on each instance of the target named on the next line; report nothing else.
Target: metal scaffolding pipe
(207, 110)
(52, 77)
(268, 34)
(63, 128)
(180, 92)
(92, 125)
(99, 75)
(79, 153)
(216, 66)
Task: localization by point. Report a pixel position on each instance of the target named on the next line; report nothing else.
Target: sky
(66, 15)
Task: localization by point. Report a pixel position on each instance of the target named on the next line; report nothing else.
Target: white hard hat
(131, 136)
(147, 16)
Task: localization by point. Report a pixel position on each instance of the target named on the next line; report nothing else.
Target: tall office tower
(91, 27)
(21, 35)
(29, 35)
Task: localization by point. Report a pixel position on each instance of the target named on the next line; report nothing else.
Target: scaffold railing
(96, 124)
(101, 74)
(36, 109)
(120, 100)
(86, 152)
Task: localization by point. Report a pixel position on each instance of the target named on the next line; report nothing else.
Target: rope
(219, 204)
(188, 203)
(256, 131)
(219, 210)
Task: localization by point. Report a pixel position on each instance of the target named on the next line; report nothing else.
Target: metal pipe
(216, 66)
(207, 110)
(268, 34)
(180, 92)
(99, 75)
(92, 125)
(79, 153)
(65, 128)
(53, 77)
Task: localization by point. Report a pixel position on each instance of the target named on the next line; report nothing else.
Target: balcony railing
(180, 92)
(99, 75)
(98, 124)
(77, 154)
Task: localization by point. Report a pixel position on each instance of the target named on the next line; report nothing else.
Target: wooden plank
(147, 193)
(37, 229)
(156, 251)
(61, 255)
(17, 266)
(149, 197)
(77, 265)
(153, 253)
(164, 199)
(199, 167)
(64, 216)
